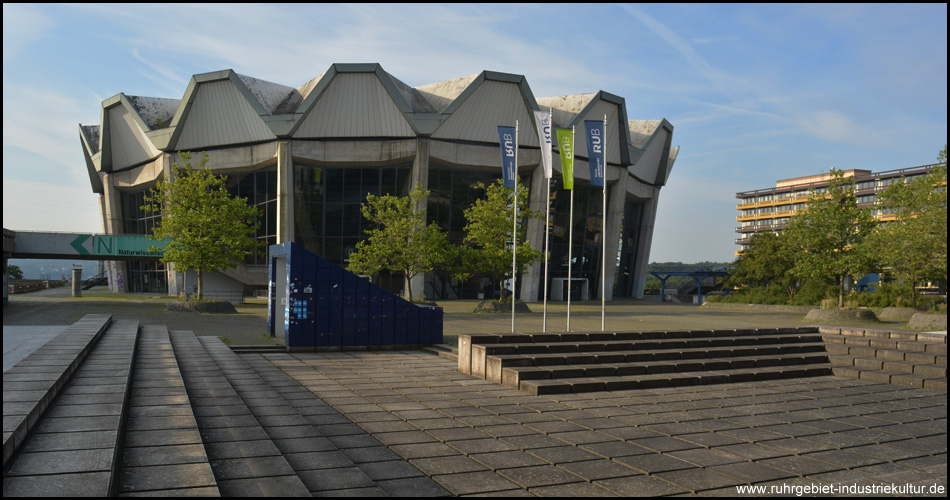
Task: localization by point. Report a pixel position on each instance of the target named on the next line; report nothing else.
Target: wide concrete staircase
(112, 408)
(556, 363)
(900, 358)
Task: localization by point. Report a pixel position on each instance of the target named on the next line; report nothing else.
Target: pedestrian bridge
(81, 246)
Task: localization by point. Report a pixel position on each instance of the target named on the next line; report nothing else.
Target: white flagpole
(603, 242)
(547, 227)
(547, 256)
(570, 242)
(514, 234)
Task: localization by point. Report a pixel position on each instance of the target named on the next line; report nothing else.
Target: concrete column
(77, 281)
(171, 274)
(647, 223)
(532, 282)
(420, 174)
(112, 224)
(616, 201)
(285, 192)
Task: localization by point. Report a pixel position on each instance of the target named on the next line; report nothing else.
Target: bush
(770, 295)
(886, 295)
(932, 303)
(812, 293)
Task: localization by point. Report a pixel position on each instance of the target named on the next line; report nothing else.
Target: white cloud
(39, 206)
(22, 26)
(45, 123)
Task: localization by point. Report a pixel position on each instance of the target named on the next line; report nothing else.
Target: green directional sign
(78, 244)
(117, 245)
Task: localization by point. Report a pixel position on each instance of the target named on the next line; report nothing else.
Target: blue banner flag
(506, 137)
(595, 151)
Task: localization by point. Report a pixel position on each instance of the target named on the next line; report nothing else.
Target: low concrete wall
(836, 315)
(758, 307)
(923, 321)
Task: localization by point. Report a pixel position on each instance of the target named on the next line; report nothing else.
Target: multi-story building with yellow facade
(769, 209)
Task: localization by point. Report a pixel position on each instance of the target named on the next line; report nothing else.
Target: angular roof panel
(219, 115)
(354, 104)
(269, 94)
(156, 112)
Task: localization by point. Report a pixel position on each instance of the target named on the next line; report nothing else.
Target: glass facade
(328, 220)
(142, 276)
(259, 189)
(588, 225)
(135, 220)
(625, 276)
(451, 192)
(146, 277)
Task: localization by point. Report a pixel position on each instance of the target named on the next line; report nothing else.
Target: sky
(755, 93)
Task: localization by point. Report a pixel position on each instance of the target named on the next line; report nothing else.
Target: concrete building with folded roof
(307, 157)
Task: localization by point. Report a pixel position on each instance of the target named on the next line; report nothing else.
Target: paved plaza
(475, 437)
(202, 419)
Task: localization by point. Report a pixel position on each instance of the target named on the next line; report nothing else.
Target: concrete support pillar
(111, 209)
(285, 192)
(419, 174)
(77, 281)
(616, 202)
(645, 242)
(532, 282)
(175, 285)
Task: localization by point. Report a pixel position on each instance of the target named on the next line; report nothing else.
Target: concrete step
(901, 358)
(41, 376)
(244, 460)
(326, 472)
(258, 348)
(515, 375)
(578, 362)
(648, 344)
(443, 351)
(649, 381)
(496, 363)
(75, 447)
(164, 454)
(328, 462)
(473, 349)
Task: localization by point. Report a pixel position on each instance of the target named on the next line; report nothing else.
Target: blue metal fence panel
(326, 305)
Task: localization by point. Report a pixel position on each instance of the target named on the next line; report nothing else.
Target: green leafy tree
(829, 235)
(913, 246)
(769, 260)
(14, 272)
(208, 228)
(400, 240)
(489, 232)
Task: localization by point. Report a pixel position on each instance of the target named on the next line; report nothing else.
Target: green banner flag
(565, 143)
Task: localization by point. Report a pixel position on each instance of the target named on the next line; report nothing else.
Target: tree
(914, 245)
(768, 260)
(207, 227)
(400, 242)
(14, 272)
(829, 234)
(489, 232)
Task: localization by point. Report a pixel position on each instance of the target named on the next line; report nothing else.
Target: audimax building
(307, 157)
